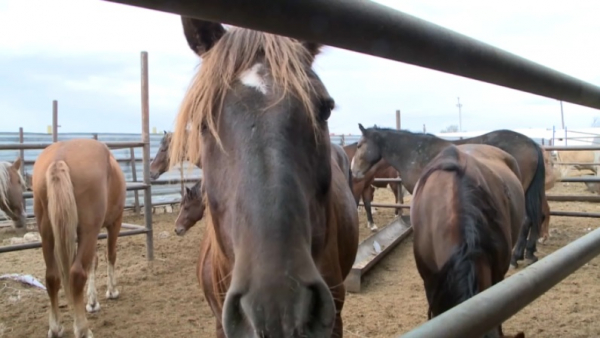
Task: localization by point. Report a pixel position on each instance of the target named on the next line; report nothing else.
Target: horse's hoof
(529, 261)
(84, 334)
(57, 333)
(91, 308)
(114, 294)
(542, 240)
(512, 266)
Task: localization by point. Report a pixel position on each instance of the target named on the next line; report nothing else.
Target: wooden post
(398, 120)
(424, 128)
(343, 140)
(95, 136)
(136, 206)
(146, 156)
(54, 121)
(400, 211)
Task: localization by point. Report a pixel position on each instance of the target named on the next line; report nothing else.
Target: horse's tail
(62, 212)
(457, 280)
(535, 193)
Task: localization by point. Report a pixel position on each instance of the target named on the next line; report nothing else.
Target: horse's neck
(409, 154)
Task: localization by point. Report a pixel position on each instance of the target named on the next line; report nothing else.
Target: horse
(585, 158)
(281, 224)
(78, 188)
(466, 214)
(191, 209)
(410, 152)
(362, 188)
(12, 185)
(192, 206)
(160, 163)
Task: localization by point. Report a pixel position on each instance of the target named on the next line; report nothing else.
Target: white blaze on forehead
(252, 78)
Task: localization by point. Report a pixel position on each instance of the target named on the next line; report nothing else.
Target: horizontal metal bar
(387, 205)
(573, 198)
(572, 148)
(388, 180)
(132, 226)
(176, 181)
(477, 315)
(374, 29)
(35, 245)
(576, 163)
(29, 146)
(136, 186)
(575, 214)
(580, 179)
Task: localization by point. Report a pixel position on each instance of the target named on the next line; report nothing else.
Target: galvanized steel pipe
(374, 29)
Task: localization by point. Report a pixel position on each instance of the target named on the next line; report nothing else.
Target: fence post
(146, 155)
(400, 192)
(22, 157)
(54, 121)
(343, 140)
(398, 120)
(136, 206)
(95, 136)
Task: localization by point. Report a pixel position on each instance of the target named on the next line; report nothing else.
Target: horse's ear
(201, 35)
(313, 48)
(188, 190)
(17, 164)
(362, 129)
(164, 132)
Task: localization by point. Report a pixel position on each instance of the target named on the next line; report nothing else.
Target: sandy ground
(163, 299)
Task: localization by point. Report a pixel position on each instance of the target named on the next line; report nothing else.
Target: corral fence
(374, 29)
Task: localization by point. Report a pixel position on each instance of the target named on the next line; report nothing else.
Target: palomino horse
(191, 209)
(551, 178)
(362, 188)
(466, 212)
(584, 158)
(410, 152)
(12, 185)
(78, 188)
(282, 225)
(160, 164)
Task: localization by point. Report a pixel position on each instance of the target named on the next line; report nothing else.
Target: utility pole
(562, 115)
(459, 105)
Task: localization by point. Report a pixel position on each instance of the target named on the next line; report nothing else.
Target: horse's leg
(367, 201)
(92, 304)
(519, 248)
(52, 277)
(111, 250)
(86, 254)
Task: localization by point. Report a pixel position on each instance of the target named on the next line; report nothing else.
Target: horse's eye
(325, 109)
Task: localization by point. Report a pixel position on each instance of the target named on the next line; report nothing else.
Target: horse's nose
(180, 231)
(284, 311)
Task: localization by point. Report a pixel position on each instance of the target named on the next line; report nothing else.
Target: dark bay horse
(362, 188)
(78, 188)
(12, 185)
(410, 152)
(160, 163)
(282, 226)
(466, 212)
(191, 209)
(192, 206)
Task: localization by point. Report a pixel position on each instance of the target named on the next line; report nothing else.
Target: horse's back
(500, 171)
(94, 173)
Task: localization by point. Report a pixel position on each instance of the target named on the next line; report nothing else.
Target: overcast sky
(85, 54)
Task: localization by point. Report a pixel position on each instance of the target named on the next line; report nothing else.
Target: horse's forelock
(238, 50)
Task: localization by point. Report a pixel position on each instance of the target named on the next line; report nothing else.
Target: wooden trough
(374, 248)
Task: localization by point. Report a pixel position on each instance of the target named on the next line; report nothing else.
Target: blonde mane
(5, 182)
(237, 51)
(220, 265)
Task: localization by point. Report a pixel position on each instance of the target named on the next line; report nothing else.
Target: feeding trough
(374, 248)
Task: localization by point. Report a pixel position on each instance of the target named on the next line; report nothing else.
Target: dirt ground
(163, 299)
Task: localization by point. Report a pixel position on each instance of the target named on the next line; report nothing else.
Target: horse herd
(280, 200)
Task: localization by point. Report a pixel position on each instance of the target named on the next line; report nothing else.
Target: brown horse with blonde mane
(467, 210)
(78, 188)
(282, 225)
(12, 185)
